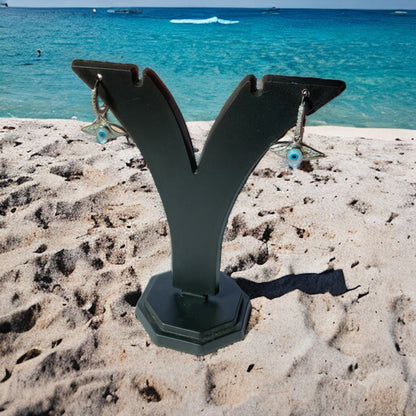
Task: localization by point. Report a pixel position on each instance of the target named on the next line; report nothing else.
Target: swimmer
(39, 52)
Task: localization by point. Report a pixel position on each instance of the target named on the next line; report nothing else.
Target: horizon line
(202, 7)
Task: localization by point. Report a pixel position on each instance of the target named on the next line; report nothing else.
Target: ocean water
(202, 55)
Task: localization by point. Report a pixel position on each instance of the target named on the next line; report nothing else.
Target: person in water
(39, 52)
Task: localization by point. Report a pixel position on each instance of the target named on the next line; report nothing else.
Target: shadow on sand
(331, 281)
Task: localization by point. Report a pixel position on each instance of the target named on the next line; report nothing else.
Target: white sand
(82, 230)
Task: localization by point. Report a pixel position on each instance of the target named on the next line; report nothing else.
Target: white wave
(205, 21)
(227, 22)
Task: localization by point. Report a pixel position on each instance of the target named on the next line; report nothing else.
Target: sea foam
(213, 19)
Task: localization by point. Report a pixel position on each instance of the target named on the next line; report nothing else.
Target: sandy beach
(327, 255)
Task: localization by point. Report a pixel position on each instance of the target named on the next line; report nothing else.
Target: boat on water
(272, 10)
(4, 5)
(125, 11)
(400, 12)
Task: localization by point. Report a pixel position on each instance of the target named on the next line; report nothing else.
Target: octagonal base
(192, 324)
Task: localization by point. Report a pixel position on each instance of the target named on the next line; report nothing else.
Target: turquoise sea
(202, 55)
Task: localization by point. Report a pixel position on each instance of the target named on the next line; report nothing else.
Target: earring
(295, 152)
(102, 128)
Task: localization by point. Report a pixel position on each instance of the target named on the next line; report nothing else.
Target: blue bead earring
(103, 130)
(295, 152)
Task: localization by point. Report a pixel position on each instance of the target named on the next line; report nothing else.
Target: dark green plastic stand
(195, 308)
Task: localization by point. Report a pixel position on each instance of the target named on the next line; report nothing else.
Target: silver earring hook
(98, 111)
(300, 122)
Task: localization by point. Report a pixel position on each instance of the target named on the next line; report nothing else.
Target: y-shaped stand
(195, 308)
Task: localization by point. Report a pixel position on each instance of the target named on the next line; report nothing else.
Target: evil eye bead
(102, 135)
(294, 157)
